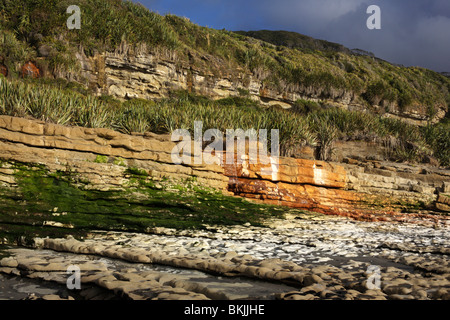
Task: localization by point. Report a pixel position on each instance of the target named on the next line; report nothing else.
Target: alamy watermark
(235, 147)
(374, 21)
(74, 280)
(74, 21)
(373, 277)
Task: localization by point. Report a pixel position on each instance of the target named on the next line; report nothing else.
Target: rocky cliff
(371, 190)
(155, 75)
(126, 74)
(99, 157)
(134, 52)
(105, 160)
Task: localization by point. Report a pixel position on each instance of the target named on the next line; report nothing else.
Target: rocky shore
(99, 162)
(307, 256)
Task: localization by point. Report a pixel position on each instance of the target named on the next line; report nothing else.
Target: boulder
(32, 141)
(30, 70)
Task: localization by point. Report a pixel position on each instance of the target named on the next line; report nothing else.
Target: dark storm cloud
(414, 32)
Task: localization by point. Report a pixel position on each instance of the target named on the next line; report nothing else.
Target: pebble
(304, 253)
(311, 279)
(401, 297)
(316, 287)
(442, 293)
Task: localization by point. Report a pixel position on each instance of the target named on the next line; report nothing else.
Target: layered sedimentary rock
(370, 190)
(307, 184)
(153, 75)
(99, 156)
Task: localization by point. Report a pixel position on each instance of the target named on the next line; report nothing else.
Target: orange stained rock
(291, 170)
(3, 70)
(29, 69)
(311, 185)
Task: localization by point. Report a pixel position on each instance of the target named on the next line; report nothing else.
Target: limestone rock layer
(371, 190)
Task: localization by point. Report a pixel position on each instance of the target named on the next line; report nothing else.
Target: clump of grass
(297, 63)
(438, 137)
(319, 128)
(305, 106)
(326, 134)
(134, 118)
(51, 104)
(92, 113)
(101, 159)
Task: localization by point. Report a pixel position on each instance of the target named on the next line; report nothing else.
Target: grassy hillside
(295, 40)
(30, 27)
(68, 104)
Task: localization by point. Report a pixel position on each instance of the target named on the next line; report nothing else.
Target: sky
(413, 32)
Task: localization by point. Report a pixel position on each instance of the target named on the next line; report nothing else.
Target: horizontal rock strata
(100, 156)
(154, 75)
(315, 256)
(366, 190)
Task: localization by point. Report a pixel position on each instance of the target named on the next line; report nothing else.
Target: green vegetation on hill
(36, 30)
(294, 40)
(65, 103)
(55, 197)
(29, 28)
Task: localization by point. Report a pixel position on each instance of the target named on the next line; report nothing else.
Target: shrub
(133, 118)
(318, 127)
(375, 92)
(305, 106)
(243, 102)
(438, 137)
(14, 51)
(101, 159)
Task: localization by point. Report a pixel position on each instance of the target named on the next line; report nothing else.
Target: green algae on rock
(52, 204)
